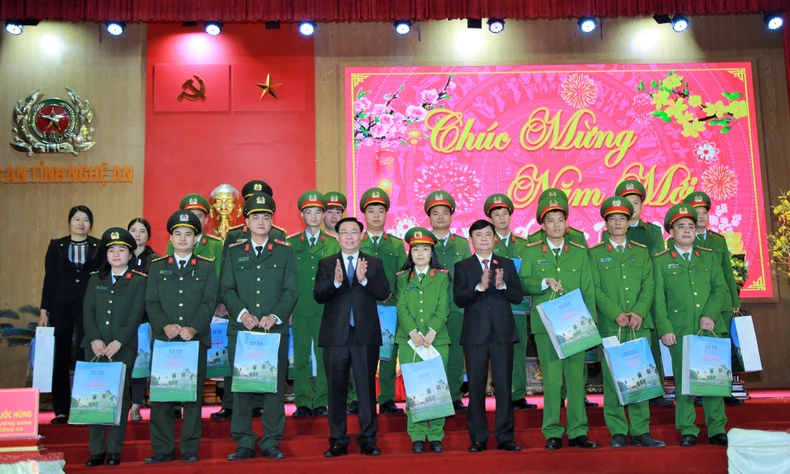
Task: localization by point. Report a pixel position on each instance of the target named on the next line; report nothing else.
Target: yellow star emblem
(268, 87)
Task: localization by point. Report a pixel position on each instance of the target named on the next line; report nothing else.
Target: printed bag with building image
(707, 366)
(97, 393)
(569, 324)
(633, 370)
(174, 369)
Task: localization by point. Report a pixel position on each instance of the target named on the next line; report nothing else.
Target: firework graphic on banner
(455, 178)
(720, 182)
(579, 91)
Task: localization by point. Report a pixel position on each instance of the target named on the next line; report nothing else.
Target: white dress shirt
(354, 262)
(482, 265)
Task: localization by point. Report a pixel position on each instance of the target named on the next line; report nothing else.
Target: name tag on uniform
(673, 265)
(606, 260)
(165, 272)
(102, 288)
(543, 262)
(243, 259)
(412, 288)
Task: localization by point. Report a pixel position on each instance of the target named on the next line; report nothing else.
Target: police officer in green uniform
(690, 293)
(450, 249)
(374, 205)
(571, 233)
(260, 288)
(112, 310)
(241, 233)
(652, 236)
(335, 207)
(206, 245)
(499, 208)
(624, 291)
(180, 298)
(309, 246)
(557, 265)
(423, 290)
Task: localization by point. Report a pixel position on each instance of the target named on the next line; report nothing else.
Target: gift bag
(217, 364)
(666, 359)
(746, 354)
(174, 371)
(255, 366)
(569, 324)
(427, 393)
(707, 366)
(633, 370)
(97, 393)
(142, 363)
(291, 352)
(43, 359)
(388, 318)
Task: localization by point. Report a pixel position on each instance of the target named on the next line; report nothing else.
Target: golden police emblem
(257, 187)
(115, 236)
(374, 194)
(497, 200)
(417, 234)
(629, 186)
(616, 202)
(683, 210)
(260, 200)
(183, 218)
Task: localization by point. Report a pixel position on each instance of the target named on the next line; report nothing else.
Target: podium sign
(19, 413)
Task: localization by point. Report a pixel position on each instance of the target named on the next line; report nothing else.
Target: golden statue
(227, 206)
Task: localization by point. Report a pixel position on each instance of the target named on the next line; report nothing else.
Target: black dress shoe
(257, 412)
(96, 460)
(159, 458)
(320, 411)
(113, 459)
(523, 404)
(618, 441)
(477, 447)
(553, 444)
(718, 440)
(336, 450)
(697, 401)
(647, 441)
(418, 447)
(508, 446)
(369, 450)
(273, 453)
(60, 420)
(436, 447)
(241, 454)
(661, 402)
(390, 408)
(189, 457)
(688, 441)
(459, 406)
(589, 404)
(582, 442)
(733, 402)
(223, 414)
(302, 412)
(352, 408)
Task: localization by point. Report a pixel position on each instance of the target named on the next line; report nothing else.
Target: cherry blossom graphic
(707, 152)
(457, 179)
(642, 108)
(722, 221)
(720, 182)
(402, 225)
(579, 91)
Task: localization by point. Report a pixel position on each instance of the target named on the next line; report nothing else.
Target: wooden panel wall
(722, 38)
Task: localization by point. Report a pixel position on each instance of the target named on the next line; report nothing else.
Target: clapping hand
(484, 279)
(362, 270)
(499, 278)
(338, 273)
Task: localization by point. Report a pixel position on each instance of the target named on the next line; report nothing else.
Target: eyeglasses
(349, 232)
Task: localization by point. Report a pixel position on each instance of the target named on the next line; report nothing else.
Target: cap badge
(374, 194)
(115, 236)
(257, 186)
(616, 202)
(260, 200)
(683, 210)
(312, 197)
(438, 197)
(192, 200)
(418, 235)
(497, 200)
(629, 186)
(333, 198)
(552, 202)
(183, 217)
(698, 198)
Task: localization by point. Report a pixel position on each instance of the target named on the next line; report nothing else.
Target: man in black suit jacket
(485, 285)
(348, 284)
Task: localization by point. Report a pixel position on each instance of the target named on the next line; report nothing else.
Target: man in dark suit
(349, 284)
(485, 286)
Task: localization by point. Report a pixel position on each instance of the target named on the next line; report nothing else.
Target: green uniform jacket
(184, 297)
(423, 305)
(572, 234)
(114, 312)
(515, 248)
(264, 285)
(718, 243)
(241, 233)
(392, 254)
(209, 246)
(645, 233)
(307, 259)
(686, 293)
(623, 284)
(572, 270)
(457, 249)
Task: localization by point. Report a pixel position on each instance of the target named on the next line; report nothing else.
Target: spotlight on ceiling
(307, 28)
(496, 25)
(680, 23)
(403, 27)
(14, 28)
(213, 28)
(116, 28)
(587, 24)
(773, 20)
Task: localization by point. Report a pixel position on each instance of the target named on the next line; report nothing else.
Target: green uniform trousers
(109, 439)
(585, 376)
(553, 369)
(419, 430)
(273, 420)
(163, 420)
(309, 391)
(685, 413)
(455, 358)
(638, 422)
(519, 390)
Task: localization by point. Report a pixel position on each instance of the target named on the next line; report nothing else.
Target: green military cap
(374, 196)
(495, 201)
(553, 193)
(698, 199)
(259, 202)
(439, 198)
(194, 201)
(616, 205)
(420, 235)
(118, 236)
(630, 186)
(256, 186)
(679, 211)
(548, 205)
(184, 219)
(311, 199)
(336, 200)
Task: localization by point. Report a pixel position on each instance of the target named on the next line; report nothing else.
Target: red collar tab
(193, 262)
(170, 260)
(567, 230)
(452, 236)
(246, 247)
(301, 237)
(696, 253)
(270, 247)
(544, 248)
(204, 241)
(411, 275)
(323, 237)
(608, 247)
(128, 275)
(674, 254)
(565, 248)
(432, 273)
(512, 237)
(629, 246)
(245, 228)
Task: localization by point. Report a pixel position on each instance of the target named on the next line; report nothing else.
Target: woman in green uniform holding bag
(112, 310)
(423, 294)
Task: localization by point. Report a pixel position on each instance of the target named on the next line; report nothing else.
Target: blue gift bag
(569, 324)
(174, 371)
(142, 363)
(388, 318)
(255, 366)
(217, 364)
(97, 393)
(707, 366)
(427, 393)
(634, 371)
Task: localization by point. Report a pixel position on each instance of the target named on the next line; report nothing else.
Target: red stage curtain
(363, 10)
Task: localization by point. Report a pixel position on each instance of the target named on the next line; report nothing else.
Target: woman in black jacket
(67, 268)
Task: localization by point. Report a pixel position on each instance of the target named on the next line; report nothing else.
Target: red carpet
(306, 439)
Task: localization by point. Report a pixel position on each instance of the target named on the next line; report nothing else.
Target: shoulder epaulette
(661, 253)
(578, 245)
(395, 237)
(282, 242)
(597, 245)
(160, 258)
(278, 227)
(442, 270)
(402, 272)
(637, 243)
(208, 259)
(293, 235)
(536, 232)
(535, 243)
(713, 232)
(140, 273)
(703, 248)
(212, 236)
(236, 227)
(659, 227)
(574, 229)
(93, 273)
(235, 244)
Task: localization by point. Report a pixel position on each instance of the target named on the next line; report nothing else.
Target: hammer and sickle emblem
(191, 92)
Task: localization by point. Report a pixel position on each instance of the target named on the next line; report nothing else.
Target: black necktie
(375, 240)
(421, 276)
(556, 253)
(182, 264)
(115, 278)
(258, 250)
(312, 241)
